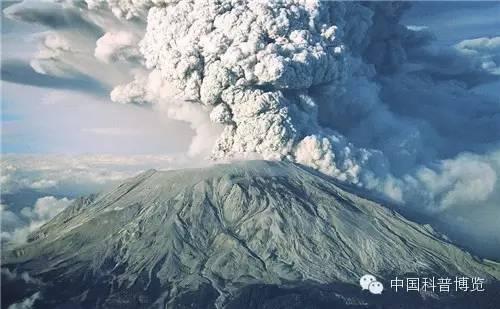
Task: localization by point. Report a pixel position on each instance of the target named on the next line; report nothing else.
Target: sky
(417, 120)
(37, 120)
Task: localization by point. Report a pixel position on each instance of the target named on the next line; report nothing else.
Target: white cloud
(24, 276)
(44, 209)
(486, 50)
(78, 174)
(27, 303)
(469, 180)
(417, 28)
(43, 184)
(116, 46)
(465, 180)
(127, 9)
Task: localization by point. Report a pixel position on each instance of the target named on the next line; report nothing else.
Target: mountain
(253, 234)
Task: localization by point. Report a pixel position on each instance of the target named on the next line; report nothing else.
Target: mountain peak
(244, 168)
(164, 235)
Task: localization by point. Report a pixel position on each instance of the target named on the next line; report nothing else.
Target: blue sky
(453, 21)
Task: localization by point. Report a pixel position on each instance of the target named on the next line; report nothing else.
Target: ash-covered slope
(233, 236)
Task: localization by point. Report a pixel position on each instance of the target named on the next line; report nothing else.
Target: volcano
(252, 234)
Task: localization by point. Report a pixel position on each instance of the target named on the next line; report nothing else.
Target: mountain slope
(200, 237)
